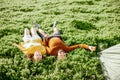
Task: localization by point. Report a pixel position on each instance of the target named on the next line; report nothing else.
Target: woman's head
(61, 55)
(37, 56)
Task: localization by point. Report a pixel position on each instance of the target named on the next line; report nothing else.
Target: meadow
(92, 22)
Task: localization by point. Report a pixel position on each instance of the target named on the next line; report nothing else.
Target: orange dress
(54, 44)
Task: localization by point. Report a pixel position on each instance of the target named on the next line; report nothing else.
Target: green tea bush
(82, 25)
(89, 2)
(86, 22)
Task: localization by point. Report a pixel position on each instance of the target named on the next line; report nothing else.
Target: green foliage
(82, 25)
(82, 2)
(92, 22)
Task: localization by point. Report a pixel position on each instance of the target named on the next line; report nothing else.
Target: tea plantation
(92, 22)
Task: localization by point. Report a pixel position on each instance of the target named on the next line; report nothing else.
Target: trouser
(56, 33)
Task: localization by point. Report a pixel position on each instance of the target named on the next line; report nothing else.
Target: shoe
(55, 24)
(36, 25)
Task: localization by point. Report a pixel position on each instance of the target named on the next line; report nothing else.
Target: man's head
(37, 56)
(61, 55)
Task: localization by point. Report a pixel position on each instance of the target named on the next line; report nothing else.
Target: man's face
(37, 56)
(61, 55)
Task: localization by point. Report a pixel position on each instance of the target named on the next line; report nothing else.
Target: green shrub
(89, 22)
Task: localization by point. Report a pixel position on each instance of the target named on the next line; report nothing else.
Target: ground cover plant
(93, 22)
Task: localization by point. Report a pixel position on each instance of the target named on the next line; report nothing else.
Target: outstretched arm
(91, 48)
(84, 46)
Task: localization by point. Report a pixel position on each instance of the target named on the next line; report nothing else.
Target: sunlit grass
(90, 22)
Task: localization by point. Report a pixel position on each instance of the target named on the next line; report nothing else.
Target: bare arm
(84, 46)
(45, 40)
(48, 50)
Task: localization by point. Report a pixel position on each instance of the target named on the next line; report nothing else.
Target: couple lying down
(35, 47)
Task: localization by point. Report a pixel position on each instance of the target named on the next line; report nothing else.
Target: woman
(32, 46)
(55, 46)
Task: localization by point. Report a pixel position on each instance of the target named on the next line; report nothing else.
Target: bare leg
(43, 34)
(34, 34)
(27, 35)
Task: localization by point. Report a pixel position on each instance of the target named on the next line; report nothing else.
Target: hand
(46, 37)
(92, 48)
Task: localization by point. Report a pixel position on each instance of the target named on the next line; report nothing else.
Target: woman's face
(61, 54)
(37, 56)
